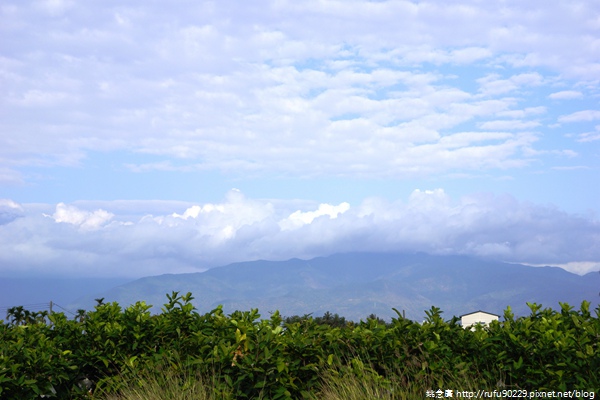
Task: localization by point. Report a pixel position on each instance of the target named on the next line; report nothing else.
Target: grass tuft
(168, 385)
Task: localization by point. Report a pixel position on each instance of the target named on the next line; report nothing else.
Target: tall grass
(337, 386)
(358, 382)
(167, 383)
(341, 383)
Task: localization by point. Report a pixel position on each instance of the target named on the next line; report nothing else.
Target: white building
(478, 317)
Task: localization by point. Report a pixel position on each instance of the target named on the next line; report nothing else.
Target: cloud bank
(354, 88)
(81, 240)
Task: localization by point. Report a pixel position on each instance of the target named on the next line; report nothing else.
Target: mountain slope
(358, 284)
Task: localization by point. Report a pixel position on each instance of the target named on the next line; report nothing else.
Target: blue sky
(139, 138)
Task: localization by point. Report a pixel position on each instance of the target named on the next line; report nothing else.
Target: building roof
(480, 311)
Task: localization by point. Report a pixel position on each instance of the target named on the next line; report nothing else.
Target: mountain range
(355, 285)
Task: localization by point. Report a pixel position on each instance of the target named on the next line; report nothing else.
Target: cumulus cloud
(221, 221)
(84, 219)
(299, 218)
(84, 240)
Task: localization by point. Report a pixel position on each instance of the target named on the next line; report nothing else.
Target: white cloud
(9, 211)
(332, 88)
(580, 267)
(221, 221)
(76, 241)
(493, 84)
(526, 112)
(584, 115)
(295, 82)
(85, 219)
(566, 95)
(590, 136)
(508, 125)
(571, 167)
(299, 218)
(461, 56)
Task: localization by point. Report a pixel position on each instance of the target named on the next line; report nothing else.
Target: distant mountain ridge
(355, 285)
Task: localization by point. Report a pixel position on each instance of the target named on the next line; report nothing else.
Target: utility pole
(50, 306)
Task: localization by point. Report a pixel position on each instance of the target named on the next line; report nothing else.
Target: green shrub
(244, 356)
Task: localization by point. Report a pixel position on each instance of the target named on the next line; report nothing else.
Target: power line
(36, 307)
(64, 309)
(29, 307)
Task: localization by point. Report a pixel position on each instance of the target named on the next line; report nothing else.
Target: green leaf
(131, 361)
(519, 363)
(281, 365)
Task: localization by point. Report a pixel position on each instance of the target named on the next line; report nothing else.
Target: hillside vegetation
(112, 352)
(358, 284)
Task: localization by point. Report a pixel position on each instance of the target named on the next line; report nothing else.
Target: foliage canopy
(98, 351)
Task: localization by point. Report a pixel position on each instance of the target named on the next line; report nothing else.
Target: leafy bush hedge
(248, 357)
